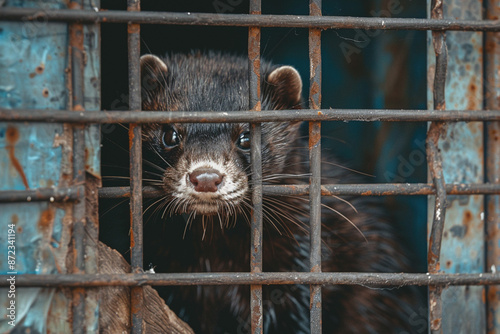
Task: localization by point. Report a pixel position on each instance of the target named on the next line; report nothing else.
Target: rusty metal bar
(135, 148)
(76, 54)
(436, 131)
(492, 164)
(315, 303)
(461, 150)
(435, 238)
(92, 98)
(58, 195)
(69, 194)
(375, 280)
(382, 189)
(256, 306)
(364, 115)
(78, 233)
(245, 20)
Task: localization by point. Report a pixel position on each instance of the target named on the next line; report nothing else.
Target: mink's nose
(205, 180)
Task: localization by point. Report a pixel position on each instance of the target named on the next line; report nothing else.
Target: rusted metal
(256, 237)
(59, 194)
(435, 238)
(492, 164)
(438, 187)
(315, 303)
(492, 220)
(78, 234)
(79, 221)
(12, 137)
(245, 20)
(91, 96)
(364, 115)
(136, 231)
(135, 149)
(383, 189)
(434, 159)
(462, 160)
(36, 155)
(92, 91)
(375, 280)
(76, 37)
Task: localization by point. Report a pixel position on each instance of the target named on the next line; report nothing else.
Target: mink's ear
(153, 79)
(283, 88)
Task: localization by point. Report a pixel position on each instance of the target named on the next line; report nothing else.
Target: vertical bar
(437, 130)
(79, 230)
(76, 38)
(92, 99)
(492, 156)
(135, 146)
(461, 148)
(315, 168)
(256, 312)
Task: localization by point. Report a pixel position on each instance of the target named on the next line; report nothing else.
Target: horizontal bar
(246, 20)
(42, 194)
(276, 278)
(382, 189)
(366, 115)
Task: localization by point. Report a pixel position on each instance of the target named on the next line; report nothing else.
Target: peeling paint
(32, 59)
(12, 136)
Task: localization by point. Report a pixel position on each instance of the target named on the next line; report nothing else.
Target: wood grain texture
(114, 312)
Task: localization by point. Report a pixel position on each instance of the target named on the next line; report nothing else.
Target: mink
(202, 222)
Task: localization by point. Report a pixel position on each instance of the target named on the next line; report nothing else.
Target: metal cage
(80, 187)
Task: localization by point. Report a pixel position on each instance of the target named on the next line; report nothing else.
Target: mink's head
(205, 167)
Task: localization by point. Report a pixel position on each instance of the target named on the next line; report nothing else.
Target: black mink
(202, 222)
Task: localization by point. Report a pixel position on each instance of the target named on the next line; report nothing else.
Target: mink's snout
(205, 179)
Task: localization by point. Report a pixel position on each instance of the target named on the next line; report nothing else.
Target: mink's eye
(244, 141)
(170, 138)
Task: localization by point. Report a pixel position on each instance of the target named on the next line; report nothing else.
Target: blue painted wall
(33, 63)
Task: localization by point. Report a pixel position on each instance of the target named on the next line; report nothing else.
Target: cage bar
(315, 168)
(135, 146)
(69, 194)
(492, 164)
(76, 36)
(362, 115)
(462, 144)
(246, 20)
(92, 99)
(376, 280)
(315, 115)
(436, 130)
(58, 195)
(256, 307)
(381, 189)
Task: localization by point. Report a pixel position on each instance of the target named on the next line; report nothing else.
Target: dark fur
(216, 82)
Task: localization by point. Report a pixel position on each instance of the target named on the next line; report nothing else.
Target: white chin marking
(231, 189)
(204, 209)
